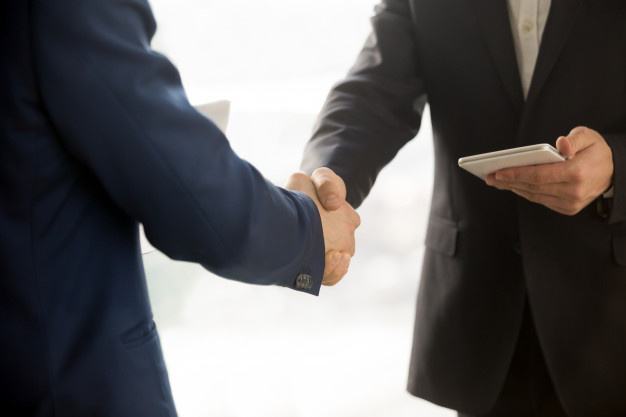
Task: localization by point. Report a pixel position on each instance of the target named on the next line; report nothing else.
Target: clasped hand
(339, 221)
(565, 187)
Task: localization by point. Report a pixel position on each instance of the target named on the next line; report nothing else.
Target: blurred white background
(235, 350)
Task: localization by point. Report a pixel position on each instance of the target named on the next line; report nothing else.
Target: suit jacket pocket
(140, 333)
(599, 6)
(441, 236)
(619, 247)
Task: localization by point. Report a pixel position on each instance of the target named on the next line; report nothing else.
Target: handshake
(339, 220)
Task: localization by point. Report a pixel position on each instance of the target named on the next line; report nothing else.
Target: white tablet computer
(486, 163)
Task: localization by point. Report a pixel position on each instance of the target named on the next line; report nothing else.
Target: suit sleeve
(617, 143)
(376, 109)
(120, 109)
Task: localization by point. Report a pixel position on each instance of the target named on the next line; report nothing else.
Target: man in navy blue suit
(96, 137)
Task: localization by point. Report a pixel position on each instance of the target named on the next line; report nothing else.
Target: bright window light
(235, 350)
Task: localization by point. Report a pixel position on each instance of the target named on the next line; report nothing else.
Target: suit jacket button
(304, 281)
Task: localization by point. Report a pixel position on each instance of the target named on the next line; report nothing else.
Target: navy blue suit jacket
(96, 137)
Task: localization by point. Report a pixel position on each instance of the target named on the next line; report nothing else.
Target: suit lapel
(493, 18)
(559, 24)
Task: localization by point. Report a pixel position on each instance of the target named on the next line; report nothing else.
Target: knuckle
(299, 176)
(578, 194)
(572, 209)
(320, 178)
(320, 172)
(577, 174)
(356, 220)
(324, 170)
(324, 176)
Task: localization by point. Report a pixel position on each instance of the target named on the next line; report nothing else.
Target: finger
(566, 197)
(492, 182)
(558, 189)
(354, 217)
(331, 190)
(332, 260)
(534, 174)
(578, 139)
(351, 249)
(338, 272)
(565, 147)
(301, 182)
(547, 201)
(297, 181)
(334, 276)
(553, 203)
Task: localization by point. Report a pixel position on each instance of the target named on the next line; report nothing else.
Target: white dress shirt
(528, 20)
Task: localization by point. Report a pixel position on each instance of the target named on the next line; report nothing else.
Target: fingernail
(345, 261)
(502, 177)
(336, 257)
(331, 200)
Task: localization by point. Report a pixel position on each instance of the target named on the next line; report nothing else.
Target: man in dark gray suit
(522, 304)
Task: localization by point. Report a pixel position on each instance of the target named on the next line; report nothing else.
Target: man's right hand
(338, 225)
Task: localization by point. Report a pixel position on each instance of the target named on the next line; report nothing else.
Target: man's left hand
(565, 187)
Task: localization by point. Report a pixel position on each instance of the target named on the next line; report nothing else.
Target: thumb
(331, 189)
(578, 139)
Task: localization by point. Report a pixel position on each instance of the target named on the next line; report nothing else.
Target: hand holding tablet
(583, 171)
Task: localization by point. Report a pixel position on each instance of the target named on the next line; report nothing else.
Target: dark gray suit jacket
(487, 249)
